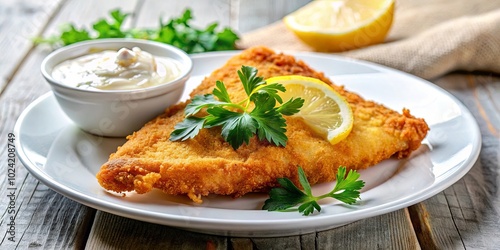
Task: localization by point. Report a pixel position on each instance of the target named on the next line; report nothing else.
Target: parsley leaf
(199, 102)
(288, 195)
(270, 120)
(284, 197)
(176, 31)
(111, 29)
(291, 107)
(239, 121)
(249, 79)
(187, 129)
(220, 92)
(237, 128)
(73, 35)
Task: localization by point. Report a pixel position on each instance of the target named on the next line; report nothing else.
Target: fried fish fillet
(207, 164)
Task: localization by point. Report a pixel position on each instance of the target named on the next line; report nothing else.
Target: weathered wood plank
(240, 15)
(285, 242)
(426, 221)
(19, 22)
(253, 14)
(114, 232)
(84, 13)
(389, 231)
(44, 219)
(466, 215)
(64, 223)
(204, 12)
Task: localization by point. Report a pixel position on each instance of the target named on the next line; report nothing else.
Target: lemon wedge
(324, 110)
(340, 25)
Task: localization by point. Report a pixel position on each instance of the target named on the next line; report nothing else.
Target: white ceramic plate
(66, 159)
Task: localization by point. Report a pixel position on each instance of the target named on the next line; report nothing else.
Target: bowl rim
(187, 65)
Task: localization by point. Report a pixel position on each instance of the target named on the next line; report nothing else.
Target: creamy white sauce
(117, 70)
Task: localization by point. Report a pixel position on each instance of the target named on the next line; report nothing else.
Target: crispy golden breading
(209, 165)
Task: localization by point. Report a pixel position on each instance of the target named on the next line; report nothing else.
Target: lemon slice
(339, 25)
(324, 110)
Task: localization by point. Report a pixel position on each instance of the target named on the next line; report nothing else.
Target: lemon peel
(340, 25)
(324, 110)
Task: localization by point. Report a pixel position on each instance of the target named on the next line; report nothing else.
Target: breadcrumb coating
(207, 164)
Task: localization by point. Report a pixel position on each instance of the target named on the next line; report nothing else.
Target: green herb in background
(240, 121)
(176, 31)
(288, 195)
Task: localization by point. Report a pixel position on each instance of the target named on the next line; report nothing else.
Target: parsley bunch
(177, 32)
(288, 195)
(239, 121)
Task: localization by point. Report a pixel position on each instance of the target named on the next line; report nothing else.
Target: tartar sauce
(117, 70)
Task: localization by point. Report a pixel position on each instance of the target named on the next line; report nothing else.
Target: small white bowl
(115, 113)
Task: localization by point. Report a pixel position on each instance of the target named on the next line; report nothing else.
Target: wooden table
(465, 215)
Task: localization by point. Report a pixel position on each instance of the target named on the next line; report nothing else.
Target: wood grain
(114, 232)
(399, 235)
(258, 13)
(388, 231)
(466, 215)
(19, 23)
(203, 12)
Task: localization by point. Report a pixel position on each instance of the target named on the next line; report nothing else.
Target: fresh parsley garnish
(240, 120)
(176, 31)
(288, 195)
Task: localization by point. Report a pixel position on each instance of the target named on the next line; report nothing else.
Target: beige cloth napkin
(428, 38)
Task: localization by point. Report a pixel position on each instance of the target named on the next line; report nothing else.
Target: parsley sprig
(176, 31)
(240, 120)
(288, 195)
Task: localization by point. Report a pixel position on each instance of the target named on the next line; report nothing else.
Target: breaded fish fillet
(207, 164)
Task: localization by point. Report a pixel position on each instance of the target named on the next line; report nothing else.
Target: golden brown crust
(207, 164)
